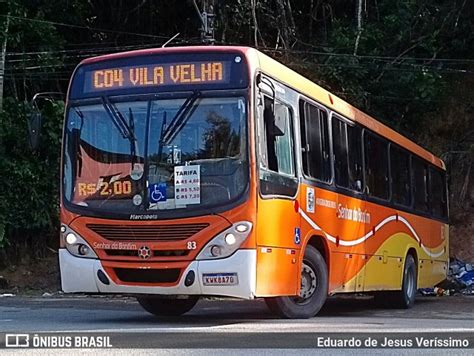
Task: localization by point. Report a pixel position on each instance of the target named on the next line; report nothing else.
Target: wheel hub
(308, 282)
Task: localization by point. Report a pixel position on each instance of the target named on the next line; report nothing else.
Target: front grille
(147, 275)
(156, 253)
(147, 233)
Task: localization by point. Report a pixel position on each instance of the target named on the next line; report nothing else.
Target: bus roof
(151, 51)
(296, 81)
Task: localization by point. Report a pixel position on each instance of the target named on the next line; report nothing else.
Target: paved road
(217, 321)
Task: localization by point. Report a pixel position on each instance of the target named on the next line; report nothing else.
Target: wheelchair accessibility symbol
(297, 235)
(157, 192)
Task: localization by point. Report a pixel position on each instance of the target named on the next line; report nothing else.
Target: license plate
(220, 279)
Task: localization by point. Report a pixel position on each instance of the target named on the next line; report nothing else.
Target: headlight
(241, 227)
(71, 238)
(230, 239)
(75, 244)
(227, 242)
(216, 251)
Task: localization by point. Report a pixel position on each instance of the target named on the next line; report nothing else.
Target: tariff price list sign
(187, 185)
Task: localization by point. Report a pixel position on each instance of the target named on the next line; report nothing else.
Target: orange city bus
(201, 171)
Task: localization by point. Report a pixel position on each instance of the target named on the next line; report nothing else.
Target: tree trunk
(2, 59)
(283, 23)
(255, 24)
(359, 26)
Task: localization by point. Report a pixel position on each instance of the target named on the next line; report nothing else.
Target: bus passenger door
(277, 250)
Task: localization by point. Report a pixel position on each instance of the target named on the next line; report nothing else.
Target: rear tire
(405, 298)
(313, 293)
(167, 306)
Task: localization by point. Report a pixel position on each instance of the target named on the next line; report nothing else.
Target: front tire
(167, 306)
(313, 291)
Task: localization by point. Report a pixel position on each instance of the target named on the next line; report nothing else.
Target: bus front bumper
(80, 275)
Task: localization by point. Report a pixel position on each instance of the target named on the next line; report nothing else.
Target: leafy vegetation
(409, 63)
(30, 182)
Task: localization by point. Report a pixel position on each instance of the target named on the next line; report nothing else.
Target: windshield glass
(146, 156)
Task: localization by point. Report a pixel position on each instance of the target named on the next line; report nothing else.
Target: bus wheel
(406, 297)
(160, 306)
(313, 291)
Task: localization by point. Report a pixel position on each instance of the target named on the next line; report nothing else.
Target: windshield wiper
(133, 144)
(118, 119)
(180, 119)
(127, 130)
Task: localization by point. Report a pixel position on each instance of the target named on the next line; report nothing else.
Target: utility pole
(3, 56)
(207, 18)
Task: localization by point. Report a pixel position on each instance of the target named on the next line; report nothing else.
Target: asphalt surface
(226, 323)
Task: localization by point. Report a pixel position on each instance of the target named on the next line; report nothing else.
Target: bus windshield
(147, 156)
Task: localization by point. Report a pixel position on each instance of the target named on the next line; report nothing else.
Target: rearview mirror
(34, 130)
(35, 121)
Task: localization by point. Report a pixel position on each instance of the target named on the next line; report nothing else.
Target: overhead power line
(95, 50)
(85, 27)
(72, 58)
(82, 50)
(265, 49)
(351, 55)
(412, 68)
(89, 52)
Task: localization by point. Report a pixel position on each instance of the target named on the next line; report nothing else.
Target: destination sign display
(160, 73)
(155, 75)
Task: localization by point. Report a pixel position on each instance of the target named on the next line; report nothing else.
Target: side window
(279, 138)
(438, 193)
(401, 184)
(420, 184)
(315, 142)
(277, 159)
(347, 154)
(376, 166)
